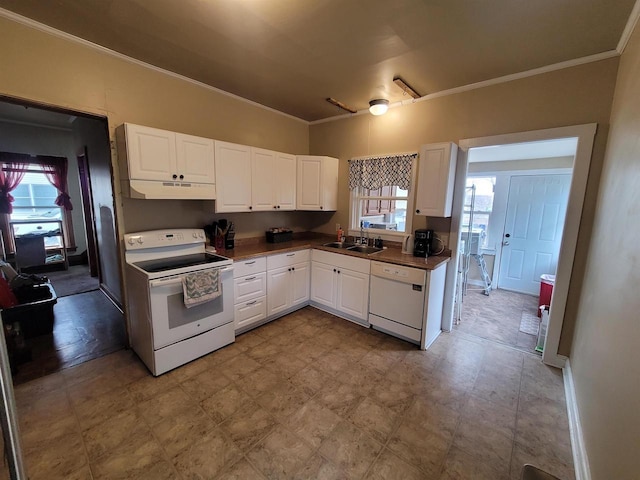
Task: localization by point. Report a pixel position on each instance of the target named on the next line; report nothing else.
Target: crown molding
(28, 22)
(629, 27)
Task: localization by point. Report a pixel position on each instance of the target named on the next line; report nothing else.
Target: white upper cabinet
(194, 158)
(233, 171)
(254, 179)
(154, 154)
(436, 175)
(317, 185)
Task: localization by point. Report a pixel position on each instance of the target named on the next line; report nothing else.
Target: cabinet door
(323, 287)
(353, 293)
(278, 290)
(195, 159)
(151, 153)
(233, 174)
(436, 174)
(285, 181)
(309, 192)
(263, 174)
(300, 283)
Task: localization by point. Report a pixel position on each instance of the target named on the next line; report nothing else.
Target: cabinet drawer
(248, 313)
(249, 287)
(287, 259)
(245, 268)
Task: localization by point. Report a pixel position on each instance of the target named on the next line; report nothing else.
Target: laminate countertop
(391, 254)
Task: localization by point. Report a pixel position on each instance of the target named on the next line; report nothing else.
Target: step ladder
(482, 266)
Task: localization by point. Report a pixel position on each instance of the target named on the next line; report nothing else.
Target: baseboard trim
(580, 460)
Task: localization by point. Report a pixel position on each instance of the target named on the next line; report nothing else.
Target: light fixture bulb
(379, 106)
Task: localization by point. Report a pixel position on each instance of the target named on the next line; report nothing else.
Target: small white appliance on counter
(163, 331)
(407, 302)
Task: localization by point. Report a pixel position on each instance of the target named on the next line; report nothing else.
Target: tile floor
(309, 396)
(497, 317)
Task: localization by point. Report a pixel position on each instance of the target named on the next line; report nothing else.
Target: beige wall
(565, 97)
(54, 71)
(605, 356)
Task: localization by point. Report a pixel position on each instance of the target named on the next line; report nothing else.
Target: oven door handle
(174, 281)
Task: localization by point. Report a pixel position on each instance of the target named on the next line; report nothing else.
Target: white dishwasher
(396, 300)
(398, 303)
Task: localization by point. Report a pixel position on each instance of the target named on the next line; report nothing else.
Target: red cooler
(546, 290)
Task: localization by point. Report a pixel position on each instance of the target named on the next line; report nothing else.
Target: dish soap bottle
(340, 232)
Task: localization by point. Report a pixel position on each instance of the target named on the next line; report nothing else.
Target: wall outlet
(337, 227)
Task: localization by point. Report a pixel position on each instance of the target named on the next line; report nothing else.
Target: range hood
(157, 190)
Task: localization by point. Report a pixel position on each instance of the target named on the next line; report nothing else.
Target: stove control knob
(140, 241)
(195, 235)
(131, 241)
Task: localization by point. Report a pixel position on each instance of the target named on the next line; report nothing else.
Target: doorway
(87, 312)
(514, 220)
(584, 135)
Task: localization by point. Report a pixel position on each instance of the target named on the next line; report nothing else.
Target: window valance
(376, 172)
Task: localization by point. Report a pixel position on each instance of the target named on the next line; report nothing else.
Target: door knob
(507, 235)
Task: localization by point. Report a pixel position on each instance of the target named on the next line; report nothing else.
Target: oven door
(171, 321)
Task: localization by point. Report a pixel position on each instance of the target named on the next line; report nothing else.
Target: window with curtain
(34, 188)
(380, 193)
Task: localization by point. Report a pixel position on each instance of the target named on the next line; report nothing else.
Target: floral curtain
(376, 172)
(55, 169)
(14, 166)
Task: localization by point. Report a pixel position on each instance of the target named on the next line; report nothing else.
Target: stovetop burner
(172, 263)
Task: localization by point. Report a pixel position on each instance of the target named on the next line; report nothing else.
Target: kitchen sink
(364, 249)
(339, 245)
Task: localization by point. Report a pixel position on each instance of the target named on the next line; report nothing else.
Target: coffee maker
(422, 245)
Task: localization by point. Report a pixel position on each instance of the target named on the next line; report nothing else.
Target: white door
(300, 280)
(536, 210)
(263, 173)
(285, 181)
(353, 293)
(195, 159)
(233, 175)
(323, 284)
(278, 290)
(309, 188)
(152, 153)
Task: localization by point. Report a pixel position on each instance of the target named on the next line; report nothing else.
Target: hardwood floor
(86, 326)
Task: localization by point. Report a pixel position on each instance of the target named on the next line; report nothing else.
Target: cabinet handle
(175, 176)
(250, 207)
(321, 207)
(335, 270)
(181, 177)
(275, 206)
(293, 269)
(250, 263)
(251, 303)
(289, 269)
(278, 206)
(338, 272)
(291, 254)
(418, 211)
(250, 278)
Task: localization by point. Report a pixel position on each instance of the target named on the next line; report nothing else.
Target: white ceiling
(292, 54)
(564, 147)
(34, 116)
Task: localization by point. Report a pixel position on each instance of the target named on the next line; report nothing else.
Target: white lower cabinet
(340, 285)
(249, 293)
(288, 282)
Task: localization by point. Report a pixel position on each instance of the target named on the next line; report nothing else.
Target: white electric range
(163, 332)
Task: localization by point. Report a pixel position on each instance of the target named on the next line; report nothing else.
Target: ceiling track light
(405, 87)
(341, 105)
(378, 106)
